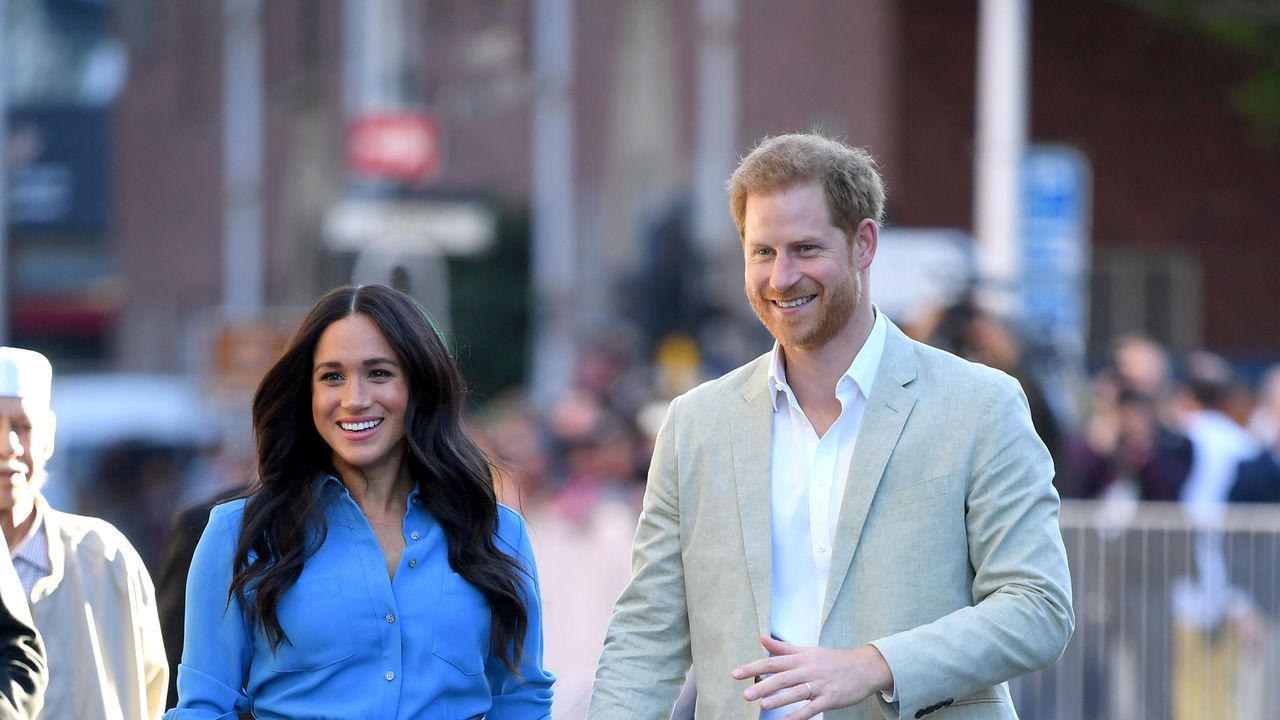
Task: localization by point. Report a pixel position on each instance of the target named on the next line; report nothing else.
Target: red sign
(394, 145)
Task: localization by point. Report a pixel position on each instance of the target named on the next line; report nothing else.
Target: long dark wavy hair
(283, 525)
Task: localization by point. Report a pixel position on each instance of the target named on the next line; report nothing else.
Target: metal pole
(243, 275)
(4, 174)
(355, 57)
(554, 240)
(374, 55)
(716, 149)
(1001, 141)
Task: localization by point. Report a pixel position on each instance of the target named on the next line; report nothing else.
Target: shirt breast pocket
(462, 625)
(309, 612)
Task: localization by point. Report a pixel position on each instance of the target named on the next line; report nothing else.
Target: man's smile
(796, 302)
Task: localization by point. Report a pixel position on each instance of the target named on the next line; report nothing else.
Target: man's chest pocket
(315, 621)
(914, 493)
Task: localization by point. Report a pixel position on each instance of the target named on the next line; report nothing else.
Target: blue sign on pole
(1056, 190)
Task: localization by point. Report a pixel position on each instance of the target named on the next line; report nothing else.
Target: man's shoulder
(942, 369)
(85, 535)
(729, 385)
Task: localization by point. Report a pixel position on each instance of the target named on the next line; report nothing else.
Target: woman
(370, 571)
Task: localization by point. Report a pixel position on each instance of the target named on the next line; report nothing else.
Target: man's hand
(826, 678)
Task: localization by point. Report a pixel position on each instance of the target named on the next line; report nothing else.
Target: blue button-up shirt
(360, 645)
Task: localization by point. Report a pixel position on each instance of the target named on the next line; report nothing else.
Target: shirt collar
(861, 373)
(35, 553)
(331, 484)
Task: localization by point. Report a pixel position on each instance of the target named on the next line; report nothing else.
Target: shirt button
(390, 676)
(414, 535)
(391, 618)
(413, 562)
(822, 548)
(822, 483)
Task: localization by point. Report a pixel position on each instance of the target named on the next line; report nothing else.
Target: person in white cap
(90, 593)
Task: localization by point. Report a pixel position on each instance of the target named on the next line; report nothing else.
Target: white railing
(1175, 619)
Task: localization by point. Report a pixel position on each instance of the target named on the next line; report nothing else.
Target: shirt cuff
(891, 696)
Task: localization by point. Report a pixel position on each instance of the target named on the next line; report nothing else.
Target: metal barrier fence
(1175, 619)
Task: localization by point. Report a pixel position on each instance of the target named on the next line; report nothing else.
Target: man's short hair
(26, 374)
(848, 175)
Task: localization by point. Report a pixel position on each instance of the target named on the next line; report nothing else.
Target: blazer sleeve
(217, 642)
(526, 694)
(23, 672)
(646, 651)
(1021, 618)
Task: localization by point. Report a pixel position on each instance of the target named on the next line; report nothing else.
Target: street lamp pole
(554, 257)
(243, 274)
(1001, 143)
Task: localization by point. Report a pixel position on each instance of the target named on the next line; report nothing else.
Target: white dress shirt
(809, 475)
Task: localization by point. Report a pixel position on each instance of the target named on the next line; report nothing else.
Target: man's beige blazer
(948, 556)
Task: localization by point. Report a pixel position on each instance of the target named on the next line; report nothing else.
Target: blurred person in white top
(1214, 619)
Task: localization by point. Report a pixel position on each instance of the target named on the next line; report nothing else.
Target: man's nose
(783, 274)
(10, 445)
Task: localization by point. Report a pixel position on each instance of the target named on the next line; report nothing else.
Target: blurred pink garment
(584, 562)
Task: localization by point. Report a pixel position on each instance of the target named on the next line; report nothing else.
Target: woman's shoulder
(509, 521)
(227, 515)
(511, 528)
(233, 508)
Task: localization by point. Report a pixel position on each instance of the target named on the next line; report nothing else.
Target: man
(882, 507)
(90, 594)
(1214, 619)
(23, 673)
(1258, 478)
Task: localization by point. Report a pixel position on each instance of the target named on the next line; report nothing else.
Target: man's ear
(866, 239)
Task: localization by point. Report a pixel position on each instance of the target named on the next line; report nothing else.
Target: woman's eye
(330, 377)
(379, 373)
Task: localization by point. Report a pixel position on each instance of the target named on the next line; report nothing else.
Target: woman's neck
(377, 491)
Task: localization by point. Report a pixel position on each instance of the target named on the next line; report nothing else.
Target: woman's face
(359, 395)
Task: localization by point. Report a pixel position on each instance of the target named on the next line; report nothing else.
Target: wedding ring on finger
(809, 687)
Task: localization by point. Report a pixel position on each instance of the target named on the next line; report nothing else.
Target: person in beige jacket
(91, 597)
(852, 526)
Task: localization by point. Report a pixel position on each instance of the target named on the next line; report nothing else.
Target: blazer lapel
(751, 422)
(890, 402)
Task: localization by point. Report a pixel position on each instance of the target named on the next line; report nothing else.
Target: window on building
(1154, 292)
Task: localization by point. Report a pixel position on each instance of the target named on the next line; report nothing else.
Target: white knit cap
(25, 374)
